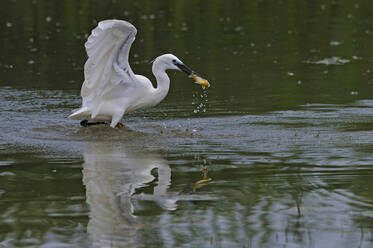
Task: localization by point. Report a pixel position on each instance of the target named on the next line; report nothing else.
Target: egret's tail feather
(79, 113)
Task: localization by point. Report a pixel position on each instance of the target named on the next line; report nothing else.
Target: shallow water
(284, 132)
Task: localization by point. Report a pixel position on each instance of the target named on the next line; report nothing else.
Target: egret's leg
(85, 123)
(116, 119)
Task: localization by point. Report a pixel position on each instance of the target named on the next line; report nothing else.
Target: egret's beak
(184, 68)
(197, 78)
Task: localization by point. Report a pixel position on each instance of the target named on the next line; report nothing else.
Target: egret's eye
(174, 61)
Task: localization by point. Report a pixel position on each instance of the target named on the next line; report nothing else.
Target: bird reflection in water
(113, 175)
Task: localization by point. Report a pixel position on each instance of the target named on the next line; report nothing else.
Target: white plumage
(110, 88)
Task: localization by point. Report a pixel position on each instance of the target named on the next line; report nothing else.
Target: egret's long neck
(163, 81)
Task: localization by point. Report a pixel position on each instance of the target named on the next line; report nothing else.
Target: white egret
(110, 88)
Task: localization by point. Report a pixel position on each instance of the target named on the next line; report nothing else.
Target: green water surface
(285, 132)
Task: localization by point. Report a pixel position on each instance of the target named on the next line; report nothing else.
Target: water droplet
(354, 93)
(238, 29)
(335, 43)
(48, 19)
(291, 73)
(9, 24)
(31, 62)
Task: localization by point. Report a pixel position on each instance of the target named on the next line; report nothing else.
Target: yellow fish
(201, 81)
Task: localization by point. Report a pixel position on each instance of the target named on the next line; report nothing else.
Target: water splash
(200, 101)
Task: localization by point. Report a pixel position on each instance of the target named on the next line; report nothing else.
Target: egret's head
(170, 61)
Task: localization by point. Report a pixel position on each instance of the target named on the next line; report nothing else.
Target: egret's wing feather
(107, 66)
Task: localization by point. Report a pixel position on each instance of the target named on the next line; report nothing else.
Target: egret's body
(110, 88)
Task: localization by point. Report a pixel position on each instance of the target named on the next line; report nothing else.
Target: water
(284, 131)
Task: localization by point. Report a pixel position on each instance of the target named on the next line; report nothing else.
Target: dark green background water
(285, 130)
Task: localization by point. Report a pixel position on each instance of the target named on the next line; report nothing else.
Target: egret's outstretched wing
(107, 66)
